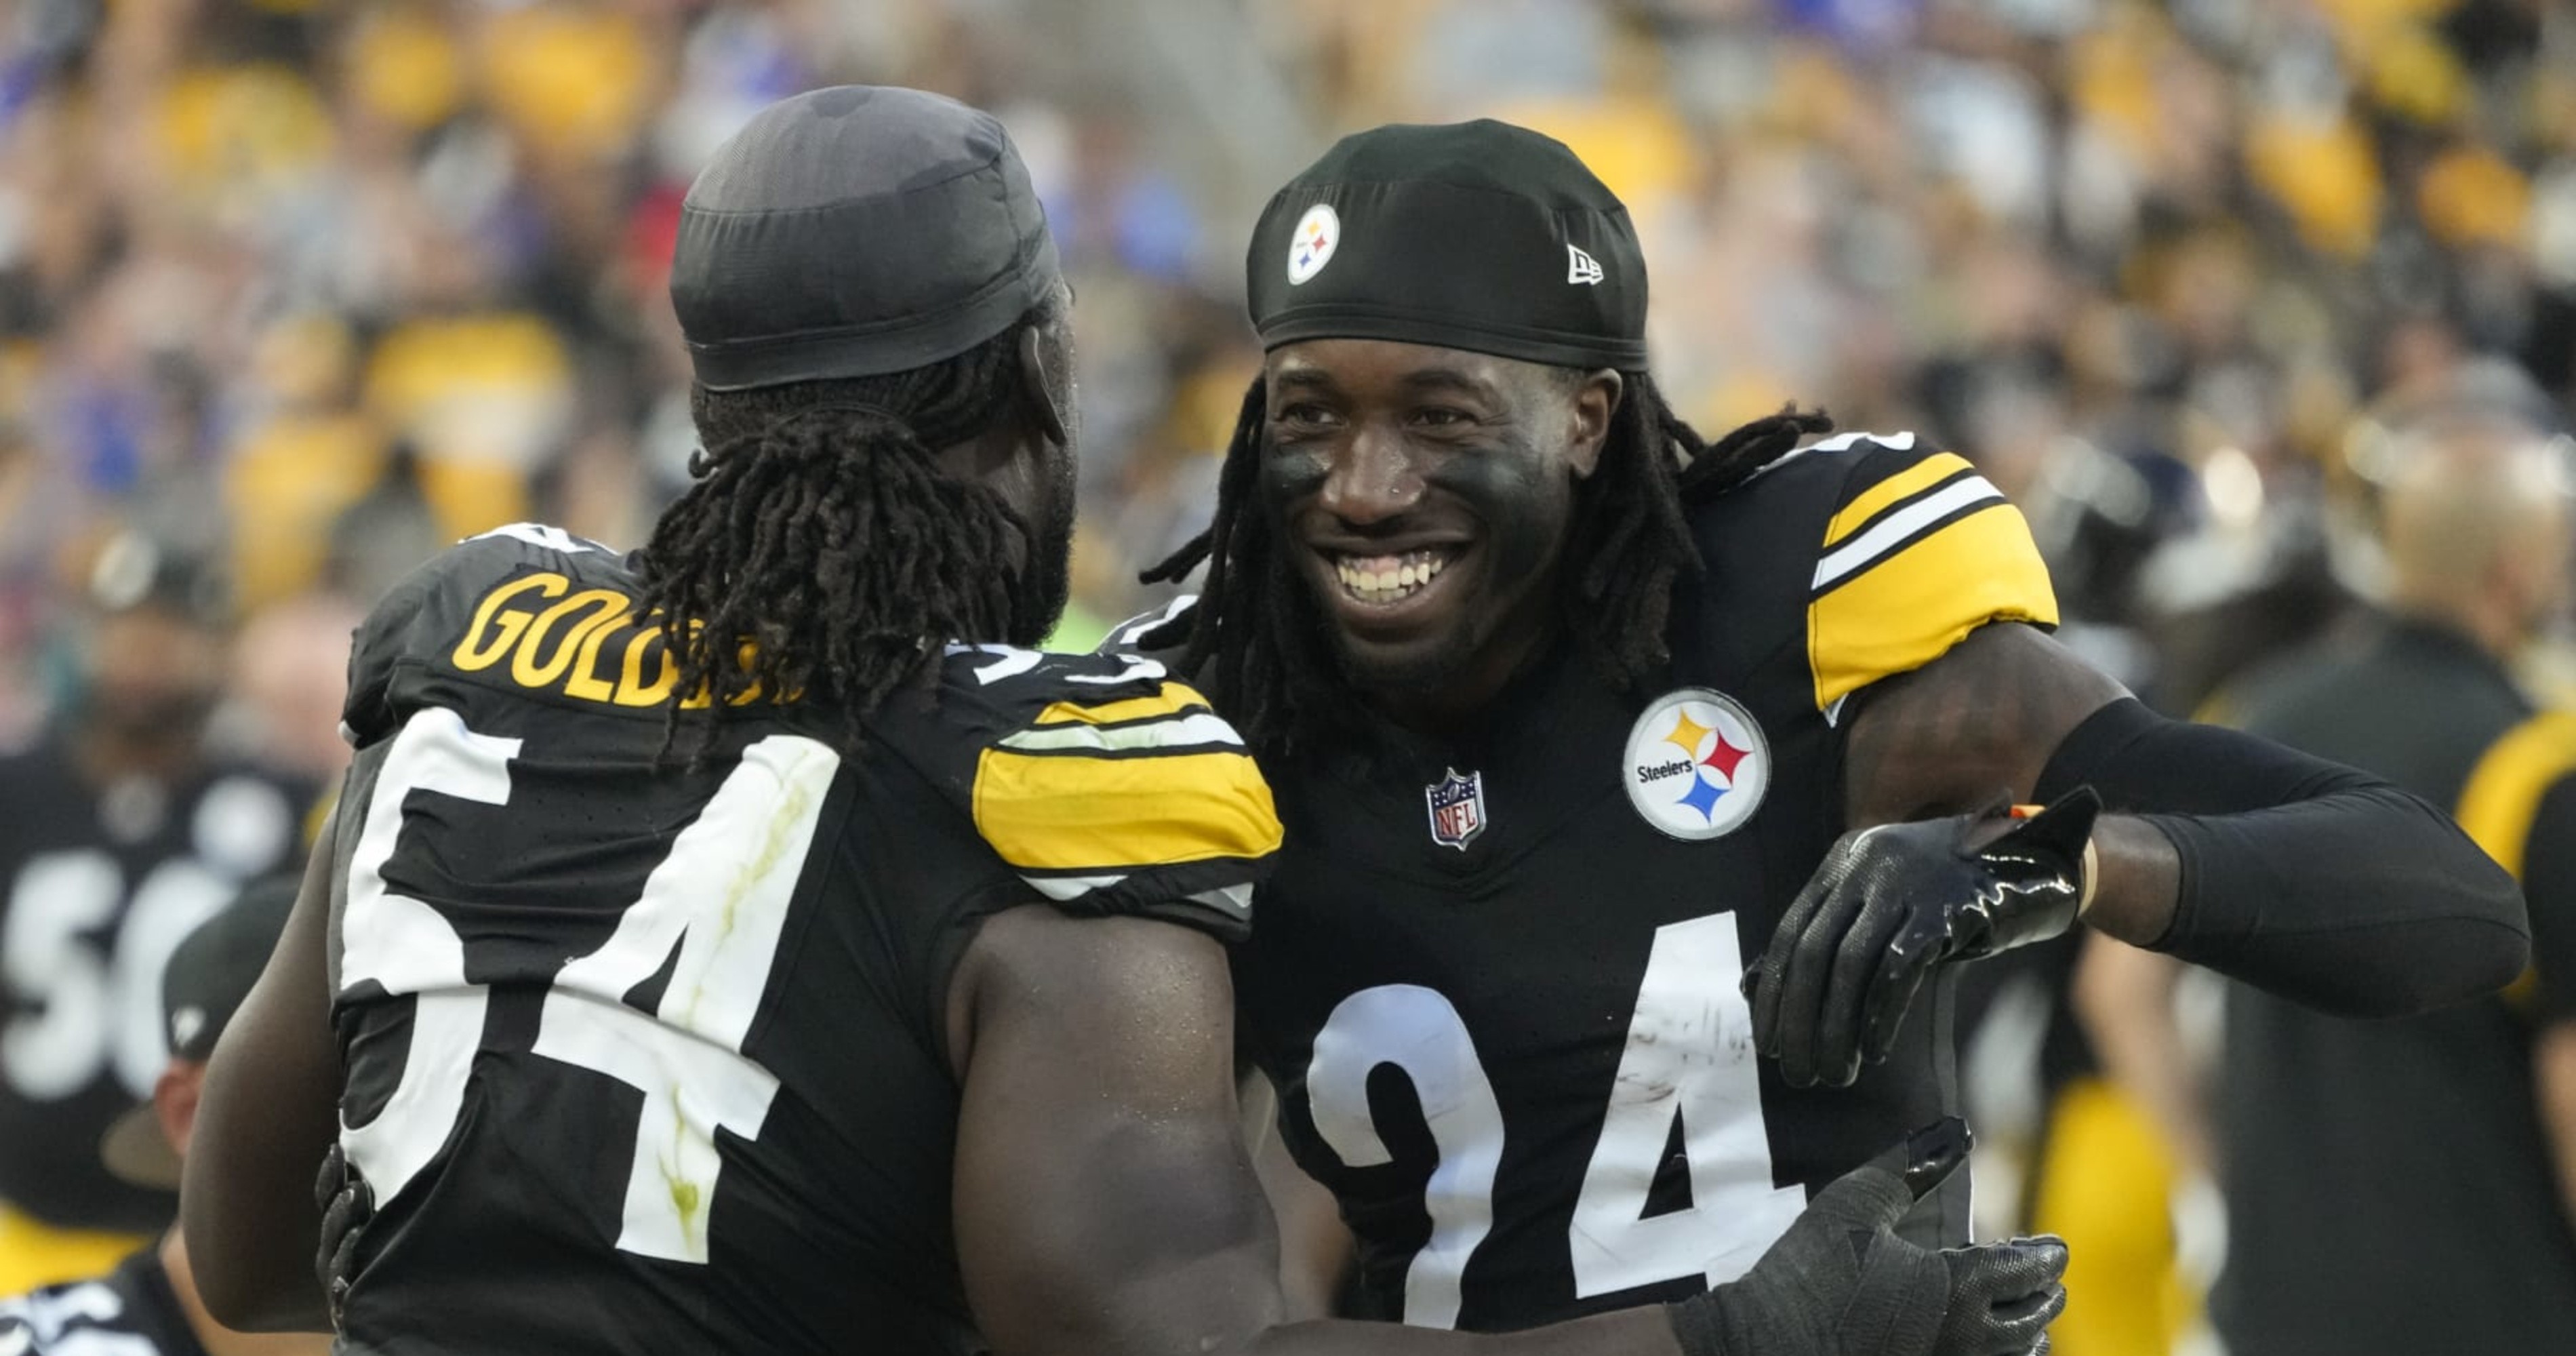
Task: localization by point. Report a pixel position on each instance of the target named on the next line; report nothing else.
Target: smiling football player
(1570, 714)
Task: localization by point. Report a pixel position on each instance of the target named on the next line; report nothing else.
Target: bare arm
(2553, 1069)
(269, 1113)
(1105, 1201)
(1314, 1244)
(1981, 722)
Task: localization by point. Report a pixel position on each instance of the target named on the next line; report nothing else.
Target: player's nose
(1372, 478)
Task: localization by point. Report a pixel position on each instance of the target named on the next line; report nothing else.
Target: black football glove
(1891, 903)
(347, 1203)
(1841, 1283)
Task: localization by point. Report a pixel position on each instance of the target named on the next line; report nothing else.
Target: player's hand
(347, 1203)
(1841, 1283)
(1889, 905)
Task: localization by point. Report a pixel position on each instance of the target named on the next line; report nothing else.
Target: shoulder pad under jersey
(1901, 550)
(1105, 784)
(435, 606)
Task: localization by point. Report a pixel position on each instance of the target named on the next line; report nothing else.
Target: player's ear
(1039, 385)
(1595, 401)
(174, 1102)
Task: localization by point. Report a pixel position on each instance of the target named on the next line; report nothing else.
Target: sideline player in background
(1567, 712)
(895, 1010)
(148, 1305)
(2473, 1246)
(118, 833)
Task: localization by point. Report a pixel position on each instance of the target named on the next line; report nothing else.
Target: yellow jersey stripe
(1172, 700)
(1910, 606)
(1067, 812)
(2503, 796)
(1913, 480)
(2504, 789)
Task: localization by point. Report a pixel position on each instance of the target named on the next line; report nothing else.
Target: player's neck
(217, 1339)
(1461, 703)
(2484, 621)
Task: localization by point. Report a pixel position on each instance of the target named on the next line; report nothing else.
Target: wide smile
(1378, 590)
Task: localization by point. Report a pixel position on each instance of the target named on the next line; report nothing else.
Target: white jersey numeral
(405, 945)
(1418, 1031)
(720, 898)
(95, 1011)
(1689, 1055)
(1692, 1058)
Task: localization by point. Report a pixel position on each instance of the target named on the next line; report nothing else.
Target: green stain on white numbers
(754, 869)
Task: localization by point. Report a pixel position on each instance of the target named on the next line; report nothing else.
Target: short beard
(1046, 580)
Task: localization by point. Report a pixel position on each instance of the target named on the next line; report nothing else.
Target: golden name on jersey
(586, 644)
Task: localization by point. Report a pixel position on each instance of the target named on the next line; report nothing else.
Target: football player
(147, 1305)
(828, 967)
(120, 830)
(1570, 714)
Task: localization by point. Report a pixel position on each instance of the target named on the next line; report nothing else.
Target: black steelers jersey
(97, 885)
(1498, 988)
(653, 1060)
(131, 1311)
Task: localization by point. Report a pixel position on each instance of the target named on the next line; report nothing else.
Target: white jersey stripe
(1897, 529)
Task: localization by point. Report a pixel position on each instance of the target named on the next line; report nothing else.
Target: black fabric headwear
(855, 231)
(1479, 235)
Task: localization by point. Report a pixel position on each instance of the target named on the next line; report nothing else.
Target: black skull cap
(1476, 235)
(856, 231)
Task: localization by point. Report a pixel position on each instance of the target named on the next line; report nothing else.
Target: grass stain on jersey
(685, 1194)
(773, 847)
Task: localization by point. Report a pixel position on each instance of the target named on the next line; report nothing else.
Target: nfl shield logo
(1457, 808)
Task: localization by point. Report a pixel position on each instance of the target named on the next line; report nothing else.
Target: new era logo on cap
(1581, 268)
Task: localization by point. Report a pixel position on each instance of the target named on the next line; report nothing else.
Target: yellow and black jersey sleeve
(1111, 788)
(1920, 551)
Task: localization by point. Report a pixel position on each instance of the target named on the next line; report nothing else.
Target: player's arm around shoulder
(2314, 881)
(268, 1116)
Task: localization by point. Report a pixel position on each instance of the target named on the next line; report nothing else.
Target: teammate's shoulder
(470, 568)
(1102, 781)
(480, 584)
(1899, 549)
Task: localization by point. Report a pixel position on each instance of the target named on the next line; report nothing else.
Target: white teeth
(1404, 575)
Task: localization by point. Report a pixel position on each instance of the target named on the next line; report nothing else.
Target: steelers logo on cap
(1311, 245)
(1697, 764)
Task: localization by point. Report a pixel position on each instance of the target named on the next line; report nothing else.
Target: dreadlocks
(1262, 646)
(821, 552)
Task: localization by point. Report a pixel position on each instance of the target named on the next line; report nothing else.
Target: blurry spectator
(148, 1305)
(290, 670)
(2408, 1186)
(118, 833)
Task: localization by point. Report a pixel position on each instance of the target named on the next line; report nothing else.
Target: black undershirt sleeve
(2321, 884)
(2549, 887)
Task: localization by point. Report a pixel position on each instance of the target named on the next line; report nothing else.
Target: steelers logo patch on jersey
(1696, 764)
(1311, 245)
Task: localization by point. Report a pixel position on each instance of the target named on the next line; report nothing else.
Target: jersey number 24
(720, 896)
(1689, 1054)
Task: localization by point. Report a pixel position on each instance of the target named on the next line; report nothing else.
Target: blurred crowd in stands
(293, 292)
(304, 290)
